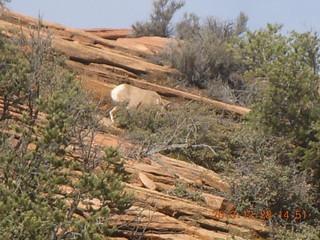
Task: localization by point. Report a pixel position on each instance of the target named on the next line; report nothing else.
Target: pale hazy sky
(299, 15)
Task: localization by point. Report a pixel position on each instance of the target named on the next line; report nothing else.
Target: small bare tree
(2, 2)
(159, 23)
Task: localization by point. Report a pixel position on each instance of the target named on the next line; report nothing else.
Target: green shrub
(298, 231)
(310, 159)
(13, 76)
(284, 71)
(45, 193)
(265, 177)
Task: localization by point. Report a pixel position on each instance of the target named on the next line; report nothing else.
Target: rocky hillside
(103, 58)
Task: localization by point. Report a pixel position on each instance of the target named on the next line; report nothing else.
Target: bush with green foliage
(284, 70)
(299, 231)
(263, 176)
(45, 193)
(310, 158)
(13, 74)
(283, 73)
(160, 19)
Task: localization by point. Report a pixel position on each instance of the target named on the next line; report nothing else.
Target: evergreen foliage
(281, 74)
(284, 73)
(266, 176)
(13, 73)
(44, 192)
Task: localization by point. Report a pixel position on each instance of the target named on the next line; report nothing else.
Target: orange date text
(263, 214)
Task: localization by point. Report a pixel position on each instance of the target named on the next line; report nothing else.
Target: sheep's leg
(112, 112)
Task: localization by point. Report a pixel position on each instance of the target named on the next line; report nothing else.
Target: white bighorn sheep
(136, 98)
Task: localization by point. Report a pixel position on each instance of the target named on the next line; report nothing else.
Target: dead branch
(177, 146)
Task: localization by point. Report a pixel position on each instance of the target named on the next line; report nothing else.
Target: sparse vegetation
(201, 53)
(197, 136)
(181, 190)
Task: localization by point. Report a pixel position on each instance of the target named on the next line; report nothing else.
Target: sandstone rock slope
(104, 58)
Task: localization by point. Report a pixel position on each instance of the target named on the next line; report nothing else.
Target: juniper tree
(283, 70)
(45, 193)
(13, 70)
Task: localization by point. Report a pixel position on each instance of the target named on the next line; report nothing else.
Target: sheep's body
(136, 98)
